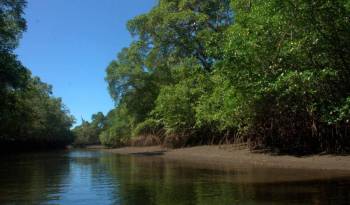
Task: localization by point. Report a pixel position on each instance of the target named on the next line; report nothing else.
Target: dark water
(96, 178)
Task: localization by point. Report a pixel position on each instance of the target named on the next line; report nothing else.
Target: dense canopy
(270, 73)
(30, 117)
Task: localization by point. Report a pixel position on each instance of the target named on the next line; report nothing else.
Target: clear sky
(69, 44)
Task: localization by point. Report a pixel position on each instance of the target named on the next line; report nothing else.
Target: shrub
(175, 105)
(146, 140)
(117, 131)
(223, 109)
(291, 112)
(149, 127)
(176, 140)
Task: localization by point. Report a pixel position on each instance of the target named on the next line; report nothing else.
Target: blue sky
(69, 44)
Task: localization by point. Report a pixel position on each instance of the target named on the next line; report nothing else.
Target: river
(93, 177)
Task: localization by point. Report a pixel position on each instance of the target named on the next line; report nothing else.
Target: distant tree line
(88, 132)
(30, 117)
(273, 74)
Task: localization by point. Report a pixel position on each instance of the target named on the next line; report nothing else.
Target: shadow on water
(156, 153)
(32, 178)
(145, 180)
(92, 177)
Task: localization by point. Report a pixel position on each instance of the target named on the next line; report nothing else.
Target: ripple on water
(92, 177)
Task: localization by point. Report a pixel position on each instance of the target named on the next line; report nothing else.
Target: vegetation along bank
(274, 74)
(30, 116)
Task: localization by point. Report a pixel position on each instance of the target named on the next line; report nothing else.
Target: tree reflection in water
(88, 177)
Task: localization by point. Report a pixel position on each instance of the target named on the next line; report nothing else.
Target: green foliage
(12, 23)
(118, 127)
(175, 103)
(38, 119)
(273, 73)
(13, 75)
(342, 113)
(148, 127)
(30, 117)
(132, 84)
(88, 133)
(182, 28)
(222, 108)
(290, 61)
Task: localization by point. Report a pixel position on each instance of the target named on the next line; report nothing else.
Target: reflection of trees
(45, 178)
(145, 180)
(32, 178)
(153, 181)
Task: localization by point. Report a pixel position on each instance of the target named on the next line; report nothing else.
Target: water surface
(93, 177)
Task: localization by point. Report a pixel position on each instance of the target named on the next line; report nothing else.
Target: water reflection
(32, 178)
(154, 181)
(86, 177)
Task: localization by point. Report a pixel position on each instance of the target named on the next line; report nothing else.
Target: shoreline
(236, 156)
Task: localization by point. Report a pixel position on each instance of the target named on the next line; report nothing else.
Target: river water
(93, 177)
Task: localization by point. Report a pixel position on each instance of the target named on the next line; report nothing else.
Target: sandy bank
(236, 156)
